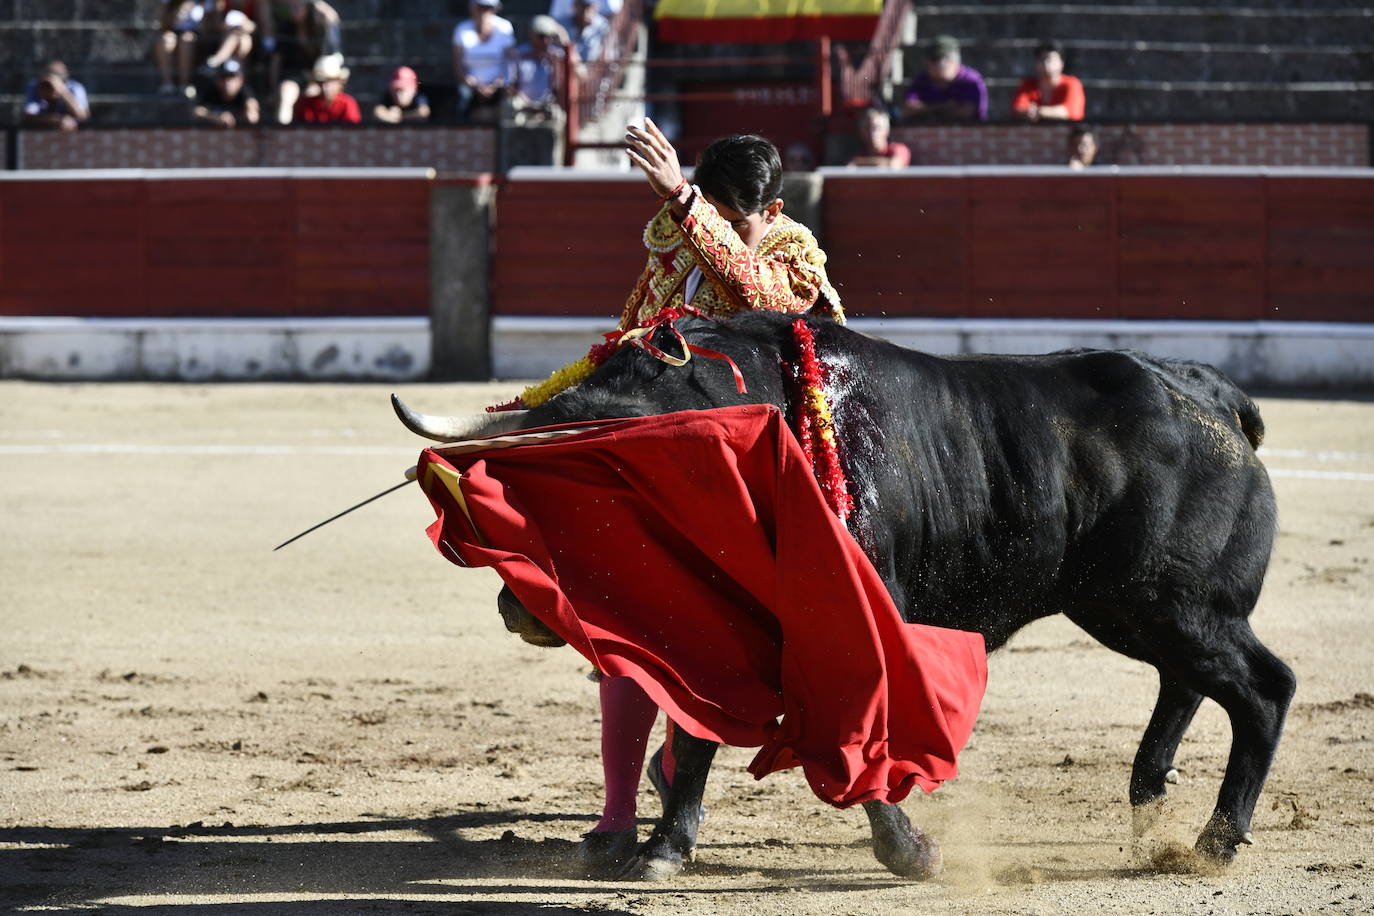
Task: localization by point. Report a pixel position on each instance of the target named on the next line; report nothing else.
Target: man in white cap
(481, 45)
(536, 73)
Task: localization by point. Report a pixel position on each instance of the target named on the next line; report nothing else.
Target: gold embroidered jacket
(786, 274)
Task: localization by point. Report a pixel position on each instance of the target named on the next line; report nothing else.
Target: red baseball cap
(404, 76)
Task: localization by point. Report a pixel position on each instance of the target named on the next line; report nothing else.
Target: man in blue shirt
(54, 99)
(947, 90)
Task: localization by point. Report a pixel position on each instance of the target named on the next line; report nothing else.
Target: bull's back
(1006, 488)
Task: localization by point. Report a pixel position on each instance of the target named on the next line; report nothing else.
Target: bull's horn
(455, 429)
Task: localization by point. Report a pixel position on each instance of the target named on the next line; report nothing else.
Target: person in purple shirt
(947, 90)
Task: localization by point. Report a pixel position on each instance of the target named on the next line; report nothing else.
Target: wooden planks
(1205, 246)
(568, 247)
(215, 247)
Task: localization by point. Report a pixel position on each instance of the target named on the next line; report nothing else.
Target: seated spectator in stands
(1050, 95)
(875, 143)
(563, 10)
(53, 99)
(179, 27)
(225, 99)
(296, 35)
(587, 28)
(798, 157)
(481, 47)
(330, 104)
(536, 71)
(947, 90)
(1082, 147)
(402, 102)
(235, 21)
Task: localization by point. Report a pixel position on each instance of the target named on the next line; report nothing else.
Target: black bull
(1116, 488)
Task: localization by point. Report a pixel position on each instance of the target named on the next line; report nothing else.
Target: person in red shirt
(878, 148)
(330, 104)
(1050, 95)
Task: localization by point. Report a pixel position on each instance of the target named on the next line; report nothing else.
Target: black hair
(743, 172)
(1080, 128)
(1047, 46)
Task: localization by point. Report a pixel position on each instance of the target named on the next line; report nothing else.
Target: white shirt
(486, 60)
(692, 285)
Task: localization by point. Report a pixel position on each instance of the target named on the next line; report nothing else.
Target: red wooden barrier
(281, 246)
(1238, 247)
(568, 247)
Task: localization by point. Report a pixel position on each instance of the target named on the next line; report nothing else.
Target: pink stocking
(627, 716)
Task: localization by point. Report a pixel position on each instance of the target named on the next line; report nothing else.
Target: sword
(410, 478)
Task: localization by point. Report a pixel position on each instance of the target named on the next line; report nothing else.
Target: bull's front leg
(901, 848)
(672, 844)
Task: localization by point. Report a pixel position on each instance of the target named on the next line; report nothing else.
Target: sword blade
(398, 486)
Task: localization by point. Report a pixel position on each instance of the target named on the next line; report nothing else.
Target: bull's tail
(1248, 415)
(1208, 384)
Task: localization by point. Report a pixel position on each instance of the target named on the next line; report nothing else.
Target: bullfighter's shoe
(601, 854)
(660, 783)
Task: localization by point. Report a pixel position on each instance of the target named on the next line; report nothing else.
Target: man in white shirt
(481, 47)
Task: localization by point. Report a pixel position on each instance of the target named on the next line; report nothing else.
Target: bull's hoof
(1220, 839)
(919, 858)
(604, 854)
(901, 848)
(653, 866)
(1146, 815)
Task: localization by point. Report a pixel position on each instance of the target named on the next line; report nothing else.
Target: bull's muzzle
(524, 624)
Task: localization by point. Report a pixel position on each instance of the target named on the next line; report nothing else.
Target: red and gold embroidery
(786, 274)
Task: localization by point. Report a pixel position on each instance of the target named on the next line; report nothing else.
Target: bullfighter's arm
(787, 277)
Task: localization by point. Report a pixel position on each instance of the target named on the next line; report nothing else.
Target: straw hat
(329, 67)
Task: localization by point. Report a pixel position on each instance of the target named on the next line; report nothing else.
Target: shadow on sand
(379, 864)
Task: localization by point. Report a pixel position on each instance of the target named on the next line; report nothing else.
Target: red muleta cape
(694, 552)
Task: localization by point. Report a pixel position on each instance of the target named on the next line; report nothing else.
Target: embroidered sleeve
(778, 278)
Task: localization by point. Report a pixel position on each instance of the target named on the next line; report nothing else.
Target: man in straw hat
(330, 104)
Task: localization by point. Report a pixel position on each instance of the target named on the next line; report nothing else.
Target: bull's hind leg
(1233, 667)
(900, 847)
(1153, 769)
(674, 839)
(1218, 656)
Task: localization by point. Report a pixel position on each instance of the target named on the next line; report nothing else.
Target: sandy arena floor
(190, 722)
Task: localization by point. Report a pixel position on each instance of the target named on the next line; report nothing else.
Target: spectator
(296, 35)
(587, 29)
(876, 146)
(1050, 95)
(179, 26)
(330, 104)
(481, 45)
(947, 90)
(236, 21)
(225, 99)
(53, 99)
(1129, 148)
(563, 10)
(402, 102)
(798, 157)
(536, 71)
(1082, 147)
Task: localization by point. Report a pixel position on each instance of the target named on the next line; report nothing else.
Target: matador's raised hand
(655, 156)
